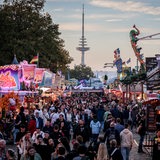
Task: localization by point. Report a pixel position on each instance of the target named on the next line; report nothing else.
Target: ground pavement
(134, 155)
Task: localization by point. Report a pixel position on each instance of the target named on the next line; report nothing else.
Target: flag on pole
(34, 60)
(128, 61)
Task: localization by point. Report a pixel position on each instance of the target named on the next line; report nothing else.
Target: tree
(81, 72)
(105, 79)
(25, 31)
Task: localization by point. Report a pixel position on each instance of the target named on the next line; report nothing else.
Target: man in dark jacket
(110, 134)
(82, 130)
(142, 132)
(61, 154)
(56, 134)
(21, 133)
(39, 121)
(82, 153)
(100, 116)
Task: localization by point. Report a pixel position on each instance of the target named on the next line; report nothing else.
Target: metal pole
(38, 60)
(137, 65)
(142, 90)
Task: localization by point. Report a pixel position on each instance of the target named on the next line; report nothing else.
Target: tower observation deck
(82, 42)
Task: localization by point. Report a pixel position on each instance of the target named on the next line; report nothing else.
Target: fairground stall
(18, 81)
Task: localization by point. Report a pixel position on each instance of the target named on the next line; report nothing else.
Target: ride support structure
(134, 39)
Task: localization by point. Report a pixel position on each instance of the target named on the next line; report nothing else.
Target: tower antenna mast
(83, 42)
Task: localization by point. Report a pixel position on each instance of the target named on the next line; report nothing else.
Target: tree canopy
(81, 72)
(26, 31)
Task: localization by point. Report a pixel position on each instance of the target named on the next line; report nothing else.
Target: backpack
(85, 158)
(112, 135)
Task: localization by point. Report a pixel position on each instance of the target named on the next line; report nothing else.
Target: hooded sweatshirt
(95, 126)
(126, 137)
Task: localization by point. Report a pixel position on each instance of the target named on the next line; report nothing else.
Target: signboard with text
(153, 73)
(39, 73)
(47, 79)
(28, 72)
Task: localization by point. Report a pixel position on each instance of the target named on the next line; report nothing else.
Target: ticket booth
(153, 115)
(152, 125)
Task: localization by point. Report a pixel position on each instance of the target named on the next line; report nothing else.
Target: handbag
(113, 153)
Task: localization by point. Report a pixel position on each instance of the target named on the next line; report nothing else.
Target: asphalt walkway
(134, 155)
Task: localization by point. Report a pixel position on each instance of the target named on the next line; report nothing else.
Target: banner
(57, 81)
(9, 79)
(47, 79)
(53, 78)
(28, 72)
(153, 73)
(38, 76)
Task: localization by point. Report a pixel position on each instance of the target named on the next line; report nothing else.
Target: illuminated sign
(9, 79)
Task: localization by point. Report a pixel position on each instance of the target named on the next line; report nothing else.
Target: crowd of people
(84, 126)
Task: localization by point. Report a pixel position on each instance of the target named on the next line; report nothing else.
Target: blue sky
(107, 26)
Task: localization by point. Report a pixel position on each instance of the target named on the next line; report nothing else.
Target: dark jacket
(116, 153)
(60, 158)
(100, 114)
(83, 131)
(42, 150)
(142, 130)
(109, 132)
(40, 121)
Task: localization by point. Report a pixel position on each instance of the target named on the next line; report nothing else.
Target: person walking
(95, 126)
(126, 138)
(102, 152)
(100, 116)
(141, 132)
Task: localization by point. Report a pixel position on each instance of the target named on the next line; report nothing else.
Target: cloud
(114, 20)
(91, 28)
(156, 19)
(106, 17)
(102, 28)
(114, 16)
(58, 9)
(127, 6)
(61, 0)
(70, 26)
(78, 27)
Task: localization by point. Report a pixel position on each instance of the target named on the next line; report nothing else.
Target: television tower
(83, 42)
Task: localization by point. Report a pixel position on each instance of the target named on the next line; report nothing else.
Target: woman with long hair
(102, 152)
